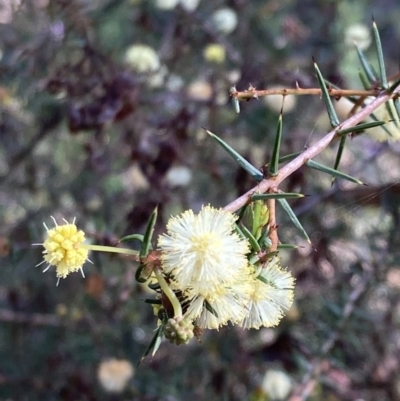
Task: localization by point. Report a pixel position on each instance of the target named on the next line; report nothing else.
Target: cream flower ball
(166, 4)
(274, 102)
(142, 58)
(189, 5)
(225, 20)
(114, 374)
(358, 34)
(276, 384)
(202, 252)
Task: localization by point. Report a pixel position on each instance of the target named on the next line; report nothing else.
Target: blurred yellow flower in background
(214, 53)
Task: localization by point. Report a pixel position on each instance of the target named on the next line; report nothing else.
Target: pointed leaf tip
(274, 165)
(286, 207)
(253, 171)
(279, 195)
(336, 173)
(146, 244)
(333, 118)
(379, 51)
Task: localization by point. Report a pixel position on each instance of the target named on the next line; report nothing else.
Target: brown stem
(311, 152)
(253, 93)
(273, 233)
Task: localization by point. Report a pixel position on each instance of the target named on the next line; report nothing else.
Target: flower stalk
(168, 292)
(112, 249)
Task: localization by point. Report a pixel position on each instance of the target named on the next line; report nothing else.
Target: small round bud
(179, 330)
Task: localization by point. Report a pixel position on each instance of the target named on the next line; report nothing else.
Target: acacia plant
(223, 265)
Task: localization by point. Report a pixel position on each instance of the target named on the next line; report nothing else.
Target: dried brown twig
(253, 93)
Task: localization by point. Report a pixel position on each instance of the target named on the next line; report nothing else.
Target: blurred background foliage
(101, 108)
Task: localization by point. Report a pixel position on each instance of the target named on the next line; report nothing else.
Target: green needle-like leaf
(339, 154)
(253, 171)
(138, 274)
(240, 232)
(366, 67)
(328, 170)
(394, 85)
(288, 158)
(373, 116)
(241, 213)
(363, 78)
(273, 168)
(210, 308)
(391, 111)
(236, 105)
(379, 51)
(253, 242)
(264, 280)
(146, 244)
(333, 118)
(264, 240)
(361, 127)
(286, 207)
(280, 195)
(235, 101)
(132, 237)
(156, 340)
(159, 337)
(154, 286)
(153, 301)
(396, 103)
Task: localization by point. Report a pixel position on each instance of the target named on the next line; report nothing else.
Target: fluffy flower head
(62, 249)
(272, 294)
(202, 252)
(229, 304)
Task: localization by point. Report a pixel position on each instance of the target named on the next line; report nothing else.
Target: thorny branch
(311, 152)
(253, 93)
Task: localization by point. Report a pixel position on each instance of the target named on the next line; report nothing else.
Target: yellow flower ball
(63, 249)
(214, 53)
